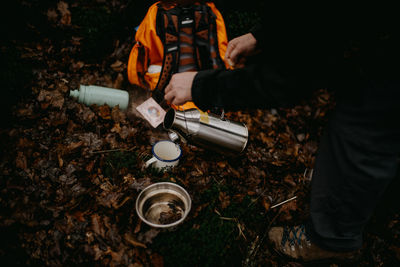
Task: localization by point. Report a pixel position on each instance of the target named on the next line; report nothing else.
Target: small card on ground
(152, 112)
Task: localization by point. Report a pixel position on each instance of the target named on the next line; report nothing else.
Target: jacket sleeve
(254, 86)
(296, 59)
(273, 78)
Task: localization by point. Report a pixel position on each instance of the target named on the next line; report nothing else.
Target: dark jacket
(303, 51)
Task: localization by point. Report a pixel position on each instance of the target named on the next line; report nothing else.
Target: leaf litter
(71, 174)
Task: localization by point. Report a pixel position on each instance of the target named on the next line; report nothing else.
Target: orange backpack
(156, 54)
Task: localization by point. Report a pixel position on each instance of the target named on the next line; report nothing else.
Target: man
(358, 154)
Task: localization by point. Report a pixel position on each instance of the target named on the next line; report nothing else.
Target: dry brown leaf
(157, 260)
(269, 141)
(104, 112)
(98, 253)
(74, 145)
(117, 115)
(77, 65)
(265, 204)
(116, 257)
(138, 227)
(289, 180)
(65, 13)
(53, 98)
(131, 240)
(221, 164)
(224, 199)
(234, 172)
(97, 225)
(60, 160)
(286, 209)
(116, 128)
(20, 161)
(118, 81)
(52, 15)
(126, 132)
(89, 167)
(118, 205)
(111, 139)
(118, 66)
(79, 216)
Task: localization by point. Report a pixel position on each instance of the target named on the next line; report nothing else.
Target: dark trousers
(357, 159)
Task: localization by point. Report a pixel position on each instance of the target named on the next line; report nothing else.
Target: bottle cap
(74, 93)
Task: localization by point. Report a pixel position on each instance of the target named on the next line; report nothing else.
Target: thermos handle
(173, 136)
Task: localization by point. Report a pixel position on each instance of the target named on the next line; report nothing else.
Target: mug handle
(150, 161)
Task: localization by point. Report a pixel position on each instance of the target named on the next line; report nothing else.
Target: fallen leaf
(289, 180)
(149, 235)
(97, 225)
(65, 13)
(157, 260)
(116, 128)
(53, 98)
(138, 227)
(74, 145)
(269, 141)
(79, 216)
(131, 240)
(221, 164)
(77, 65)
(118, 81)
(265, 204)
(20, 161)
(224, 199)
(117, 66)
(104, 112)
(89, 167)
(52, 15)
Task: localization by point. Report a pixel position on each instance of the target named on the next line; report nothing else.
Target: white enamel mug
(166, 154)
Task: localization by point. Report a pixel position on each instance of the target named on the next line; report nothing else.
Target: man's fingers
(229, 49)
(234, 55)
(169, 97)
(168, 88)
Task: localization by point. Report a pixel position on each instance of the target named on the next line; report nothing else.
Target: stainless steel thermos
(207, 130)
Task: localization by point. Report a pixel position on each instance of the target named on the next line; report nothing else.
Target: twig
(283, 202)
(111, 150)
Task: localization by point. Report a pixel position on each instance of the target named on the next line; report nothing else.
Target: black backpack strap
(168, 30)
(207, 50)
(217, 59)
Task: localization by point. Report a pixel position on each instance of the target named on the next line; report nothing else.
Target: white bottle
(99, 95)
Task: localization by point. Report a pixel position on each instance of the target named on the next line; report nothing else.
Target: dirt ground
(71, 173)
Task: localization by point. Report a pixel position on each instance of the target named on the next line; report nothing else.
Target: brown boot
(293, 242)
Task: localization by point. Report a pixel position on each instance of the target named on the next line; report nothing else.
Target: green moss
(119, 163)
(203, 241)
(209, 239)
(116, 161)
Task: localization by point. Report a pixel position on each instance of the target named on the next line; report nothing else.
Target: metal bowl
(163, 205)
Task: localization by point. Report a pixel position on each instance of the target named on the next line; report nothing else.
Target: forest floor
(70, 173)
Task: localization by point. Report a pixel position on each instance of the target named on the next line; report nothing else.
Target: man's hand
(240, 47)
(179, 89)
